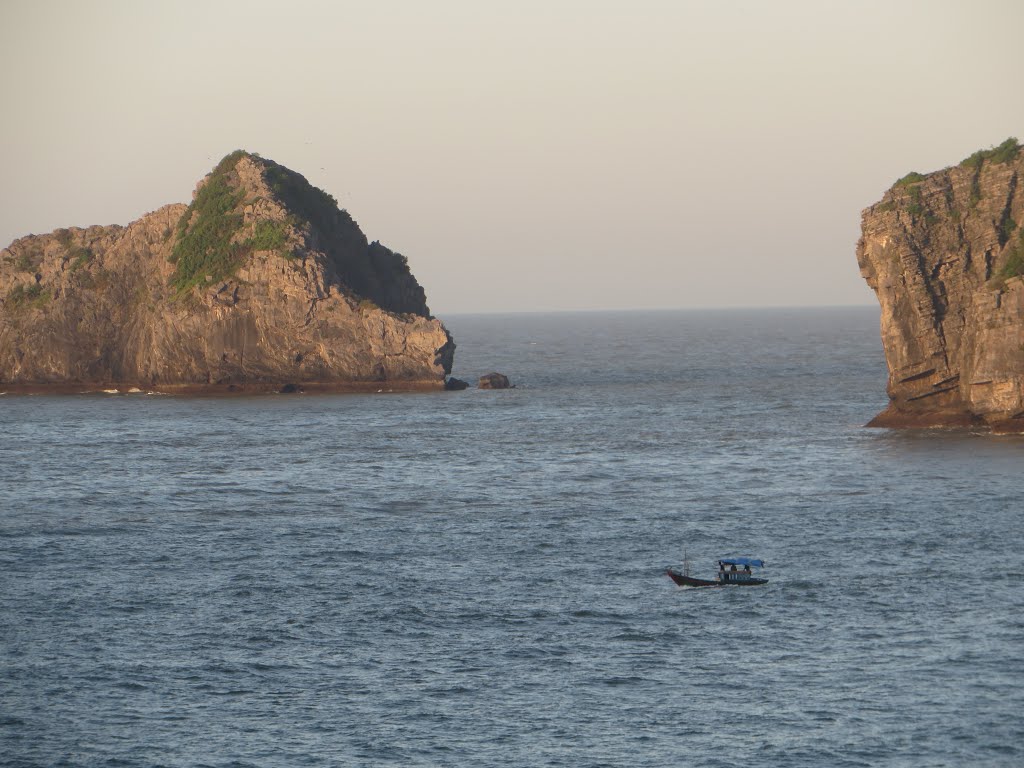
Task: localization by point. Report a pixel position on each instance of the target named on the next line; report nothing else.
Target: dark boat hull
(689, 581)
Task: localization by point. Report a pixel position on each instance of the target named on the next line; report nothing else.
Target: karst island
(261, 283)
(944, 253)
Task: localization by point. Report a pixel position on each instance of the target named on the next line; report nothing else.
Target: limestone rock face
(261, 282)
(944, 254)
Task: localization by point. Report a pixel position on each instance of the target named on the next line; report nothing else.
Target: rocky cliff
(261, 282)
(944, 253)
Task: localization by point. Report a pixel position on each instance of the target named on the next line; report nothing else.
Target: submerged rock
(944, 254)
(262, 282)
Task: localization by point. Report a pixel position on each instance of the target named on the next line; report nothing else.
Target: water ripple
(477, 578)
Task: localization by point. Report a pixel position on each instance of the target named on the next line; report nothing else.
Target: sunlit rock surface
(944, 254)
(262, 282)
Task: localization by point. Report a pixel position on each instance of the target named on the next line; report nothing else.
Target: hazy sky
(527, 155)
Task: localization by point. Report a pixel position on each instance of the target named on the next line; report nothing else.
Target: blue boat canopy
(752, 562)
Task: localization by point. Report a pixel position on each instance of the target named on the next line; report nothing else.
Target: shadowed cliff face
(944, 254)
(261, 281)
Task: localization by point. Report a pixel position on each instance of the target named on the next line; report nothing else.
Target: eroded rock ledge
(944, 253)
(261, 282)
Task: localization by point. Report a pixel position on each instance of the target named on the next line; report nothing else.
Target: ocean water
(477, 578)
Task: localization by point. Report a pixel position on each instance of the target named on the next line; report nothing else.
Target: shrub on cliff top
(1004, 153)
(64, 237)
(911, 178)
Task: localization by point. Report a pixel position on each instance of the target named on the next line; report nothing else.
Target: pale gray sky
(527, 155)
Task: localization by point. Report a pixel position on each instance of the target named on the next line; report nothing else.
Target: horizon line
(628, 310)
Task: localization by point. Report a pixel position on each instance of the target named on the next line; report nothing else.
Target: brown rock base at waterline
(221, 390)
(894, 418)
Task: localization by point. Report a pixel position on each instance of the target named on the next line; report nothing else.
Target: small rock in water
(494, 381)
(455, 385)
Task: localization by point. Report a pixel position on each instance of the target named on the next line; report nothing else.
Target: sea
(477, 578)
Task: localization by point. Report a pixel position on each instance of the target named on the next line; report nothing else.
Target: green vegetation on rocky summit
(209, 247)
(203, 246)
(206, 244)
(911, 178)
(1004, 153)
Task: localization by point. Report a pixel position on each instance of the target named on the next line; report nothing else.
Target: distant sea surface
(477, 578)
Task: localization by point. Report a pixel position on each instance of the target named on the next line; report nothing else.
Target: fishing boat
(732, 571)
